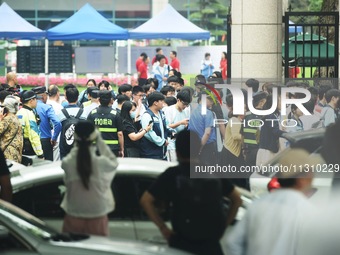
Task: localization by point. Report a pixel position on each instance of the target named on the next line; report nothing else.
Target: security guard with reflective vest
(251, 129)
(108, 123)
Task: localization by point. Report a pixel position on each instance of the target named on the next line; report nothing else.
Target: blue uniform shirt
(49, 121)
(198, 123)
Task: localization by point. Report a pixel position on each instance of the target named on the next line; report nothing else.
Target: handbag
(27, 148)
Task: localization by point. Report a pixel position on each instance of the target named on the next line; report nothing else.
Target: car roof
(44, 170)
(295, 137)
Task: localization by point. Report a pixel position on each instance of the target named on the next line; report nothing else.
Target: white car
(38, 189)
(22, 233)
(312, 142)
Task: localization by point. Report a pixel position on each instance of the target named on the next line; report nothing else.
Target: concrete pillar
(157, 6)
(256, 39)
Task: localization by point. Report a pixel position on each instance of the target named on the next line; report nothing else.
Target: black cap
(27, 95)
(155, 96)
(258, 96)
(39, 90)
(105, 94)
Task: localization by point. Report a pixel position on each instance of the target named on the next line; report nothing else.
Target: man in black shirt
(5, 180)
(108, 123)
(166, 189)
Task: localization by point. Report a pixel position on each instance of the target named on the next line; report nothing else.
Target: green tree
(210, 15)
(315, 5)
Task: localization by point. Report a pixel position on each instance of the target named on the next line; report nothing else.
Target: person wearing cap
(328, 113)
(11, 139)
(178, 119)
(30, 121)
(88, 179)
(278, 215)
(48, 119)
(251, 129)
(93, 96)
(154, 143)
(108, 123)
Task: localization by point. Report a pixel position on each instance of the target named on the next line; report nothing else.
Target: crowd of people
(158, 119)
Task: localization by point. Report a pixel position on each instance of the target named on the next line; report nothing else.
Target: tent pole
(129, 61)
(46, 64)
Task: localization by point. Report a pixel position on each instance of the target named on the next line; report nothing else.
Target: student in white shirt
(178, 119)
(272, 223)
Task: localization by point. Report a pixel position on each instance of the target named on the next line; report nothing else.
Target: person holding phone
(132, 134)
(154, 143)
(11, 138)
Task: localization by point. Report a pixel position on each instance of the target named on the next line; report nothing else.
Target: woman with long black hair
(88, 177)
(132, 132)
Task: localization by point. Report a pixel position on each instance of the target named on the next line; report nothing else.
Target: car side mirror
(4, 232)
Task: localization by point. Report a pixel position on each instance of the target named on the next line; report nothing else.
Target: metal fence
(311, 46)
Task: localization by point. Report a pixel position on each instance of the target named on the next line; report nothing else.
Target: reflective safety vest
(108, 123)
(251, 131)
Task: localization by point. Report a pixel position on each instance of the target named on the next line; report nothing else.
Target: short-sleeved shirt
(199, 122)
(128, 129)
(3, 165)
(175, 64)
(164, 188)
(143, 70)
(109, 124)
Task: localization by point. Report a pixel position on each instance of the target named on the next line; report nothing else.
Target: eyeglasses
(140, 95)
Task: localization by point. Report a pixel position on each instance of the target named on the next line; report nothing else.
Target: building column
(257, 39)
(157, 6)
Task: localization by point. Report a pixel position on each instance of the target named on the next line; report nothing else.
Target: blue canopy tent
(13, 26)
(87, 24)
(169, 24)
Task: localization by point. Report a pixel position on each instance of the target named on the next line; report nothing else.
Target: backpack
(199, 213)
(67, 132)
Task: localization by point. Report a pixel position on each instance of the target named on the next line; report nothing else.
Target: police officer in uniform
(251, 129)
(108, 123)
(48, 122)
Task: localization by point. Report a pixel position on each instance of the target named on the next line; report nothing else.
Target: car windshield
(25, 221)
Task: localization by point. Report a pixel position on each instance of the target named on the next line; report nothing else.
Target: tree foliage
(209, 15)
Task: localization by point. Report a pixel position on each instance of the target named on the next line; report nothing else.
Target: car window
(42, 201)
(126, 202)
